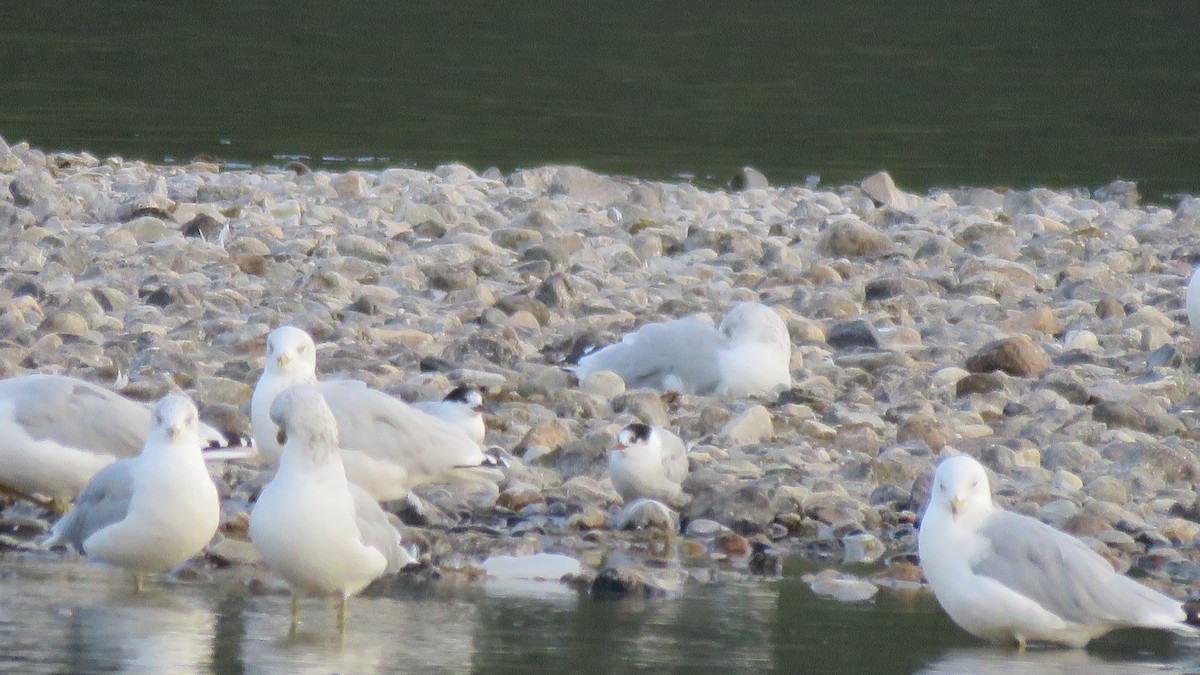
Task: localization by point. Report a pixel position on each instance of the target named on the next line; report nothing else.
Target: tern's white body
(647, 462)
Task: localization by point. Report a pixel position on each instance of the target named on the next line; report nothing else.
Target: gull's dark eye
(975, 483)
(281, 437)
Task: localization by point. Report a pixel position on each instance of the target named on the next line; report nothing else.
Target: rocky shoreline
(1041, 331)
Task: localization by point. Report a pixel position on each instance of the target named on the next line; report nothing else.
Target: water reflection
(68, 617)
(992, 661)
(157, 631)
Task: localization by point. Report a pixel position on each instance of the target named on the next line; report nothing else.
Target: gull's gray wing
(681, 349)
(1062, 574)
(77, 414)
(382, 426)
(375, 530)
(103, 501)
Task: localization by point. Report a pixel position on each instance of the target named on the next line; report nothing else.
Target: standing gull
(1008, 578)
(56, 432)
(151, 512)
(462, 407)
(387, 446)
(323, 534)
(748, 353)
(647, 462)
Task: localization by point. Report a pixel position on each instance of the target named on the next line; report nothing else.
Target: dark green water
(938, 92)
(68, 617)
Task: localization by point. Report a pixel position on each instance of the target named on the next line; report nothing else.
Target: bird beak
(619, 447)
(956, 504)
(174, 431)
(484, 409)
(282, 360)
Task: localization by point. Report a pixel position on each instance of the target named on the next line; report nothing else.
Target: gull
(387, 446)
(151, 512)
(323, 534)
(463, 407)
(647, 462)
(1008, 578)
(748, 353)
(56, 432)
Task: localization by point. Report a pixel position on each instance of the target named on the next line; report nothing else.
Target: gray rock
(748, 178)
(853, 334)
(880, 188)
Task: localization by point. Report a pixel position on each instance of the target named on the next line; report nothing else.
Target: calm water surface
(69, 617)
(939, 92)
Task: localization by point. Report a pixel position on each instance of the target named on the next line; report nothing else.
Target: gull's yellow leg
(138, 578)
(342, 615)
(295, 612)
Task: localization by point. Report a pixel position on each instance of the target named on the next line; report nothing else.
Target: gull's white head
(174, 420)
(636, 439)
(960, 488)
(305, 421)
(291, 351)
(756, 323)
(467, 395)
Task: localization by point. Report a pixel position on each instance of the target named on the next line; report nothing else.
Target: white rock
(752, 426)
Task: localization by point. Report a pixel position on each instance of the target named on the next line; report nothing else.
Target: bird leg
(1020, 644)
(138, 578)
(295, 612)
(342, 615)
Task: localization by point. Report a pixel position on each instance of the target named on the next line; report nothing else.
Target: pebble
(843, 588)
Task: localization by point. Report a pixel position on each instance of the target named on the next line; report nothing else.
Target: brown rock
(64, 323)
(519, 496)
(979, 383)
(1018, 356)
(252, 264)
(552, 434)
(591, 518)
(1085, 525)
(930, 430)
(732, 544)
(1121, 414)
(1040, 319)
(854, 238)
(1109, 308)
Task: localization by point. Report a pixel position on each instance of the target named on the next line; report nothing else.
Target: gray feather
(1061, 573)
(103, 502)
(376, 531)
(682, 348)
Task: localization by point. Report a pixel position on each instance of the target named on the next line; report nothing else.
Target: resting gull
(151, 512)
(56, 432)
(387, 446)
(323, 534)
(1008, 578)
(748, 353)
